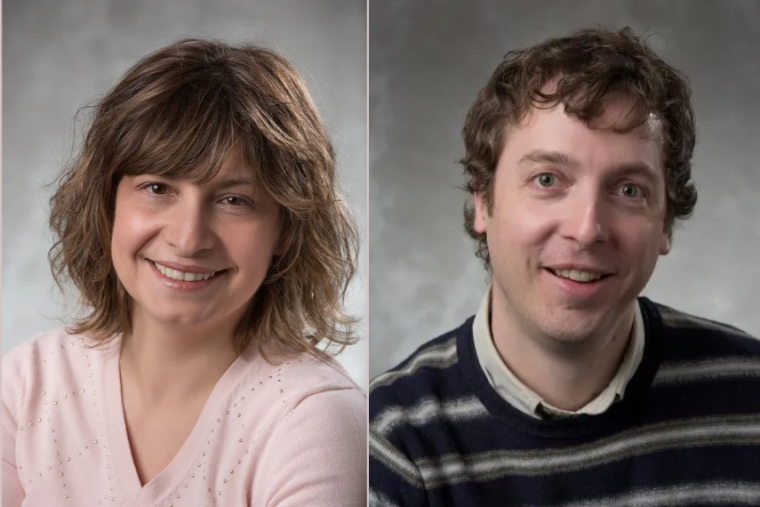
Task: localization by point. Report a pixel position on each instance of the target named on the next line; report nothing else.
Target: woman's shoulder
(42, 344)
(56, 351)
(321, 373)
(315, 413)
(295, 379)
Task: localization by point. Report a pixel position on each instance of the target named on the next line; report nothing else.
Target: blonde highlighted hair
(178, 113)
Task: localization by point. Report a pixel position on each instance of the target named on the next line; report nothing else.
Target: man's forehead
(620, 112)
(623, 115)
(546, 136)
(619, 116)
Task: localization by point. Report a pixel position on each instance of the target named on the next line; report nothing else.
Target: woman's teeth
(181, 275)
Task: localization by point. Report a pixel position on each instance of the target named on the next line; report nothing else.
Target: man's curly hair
(586, 69)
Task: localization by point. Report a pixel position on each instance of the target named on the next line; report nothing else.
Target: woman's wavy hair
(178, 113)
(586, 70)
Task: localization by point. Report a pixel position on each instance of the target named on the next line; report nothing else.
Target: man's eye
(546, 179)
(632, 191)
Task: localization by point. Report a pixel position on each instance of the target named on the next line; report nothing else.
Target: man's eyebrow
(635, 168)
(547, 157)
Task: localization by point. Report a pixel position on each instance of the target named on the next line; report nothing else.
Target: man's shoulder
(694, 346)
(419, 400)
(423, 374)
(705, 334)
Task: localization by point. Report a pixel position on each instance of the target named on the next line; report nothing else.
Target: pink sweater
(289, 434)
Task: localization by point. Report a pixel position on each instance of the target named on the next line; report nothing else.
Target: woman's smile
(190, 278)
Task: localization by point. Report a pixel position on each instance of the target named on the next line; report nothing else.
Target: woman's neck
(163, 362)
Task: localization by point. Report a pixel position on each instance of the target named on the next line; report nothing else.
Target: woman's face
(192, 254)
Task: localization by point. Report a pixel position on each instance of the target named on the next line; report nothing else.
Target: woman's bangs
(186, 136)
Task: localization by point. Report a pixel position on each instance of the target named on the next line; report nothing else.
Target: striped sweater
(687, 432)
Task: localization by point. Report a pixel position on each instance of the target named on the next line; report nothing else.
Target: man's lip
(581, 267)
(186, 268)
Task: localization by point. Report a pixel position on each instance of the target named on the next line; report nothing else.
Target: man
(567, 388)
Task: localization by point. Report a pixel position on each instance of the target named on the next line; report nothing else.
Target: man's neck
(566, 378)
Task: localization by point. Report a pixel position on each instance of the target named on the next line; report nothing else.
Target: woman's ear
(282, 244)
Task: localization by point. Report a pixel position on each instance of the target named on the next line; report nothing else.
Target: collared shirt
(525, 399)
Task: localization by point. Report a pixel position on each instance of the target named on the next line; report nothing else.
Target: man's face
(576, 222)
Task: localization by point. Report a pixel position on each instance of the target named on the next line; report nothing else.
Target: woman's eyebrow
(234, 182)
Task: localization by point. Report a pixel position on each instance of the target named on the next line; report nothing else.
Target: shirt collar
(522, 397)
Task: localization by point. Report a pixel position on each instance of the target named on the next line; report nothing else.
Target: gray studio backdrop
(60, 54)
(429, 58)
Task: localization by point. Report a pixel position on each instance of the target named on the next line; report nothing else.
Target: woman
(201, 227)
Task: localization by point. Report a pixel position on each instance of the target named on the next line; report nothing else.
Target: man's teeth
(181, 275)
(576, 275)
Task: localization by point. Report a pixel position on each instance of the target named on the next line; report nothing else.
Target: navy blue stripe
(714, 423)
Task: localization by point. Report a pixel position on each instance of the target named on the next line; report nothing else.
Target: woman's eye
(546, 179)
(234, 201)
(156, 188)
(631, 191)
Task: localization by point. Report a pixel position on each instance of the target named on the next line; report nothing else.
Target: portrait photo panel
(185, 261)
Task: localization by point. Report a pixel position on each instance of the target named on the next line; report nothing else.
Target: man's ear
(480, 220)
(665, 247)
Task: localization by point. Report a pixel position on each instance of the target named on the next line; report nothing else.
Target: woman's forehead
(234, 171)
(214, 168)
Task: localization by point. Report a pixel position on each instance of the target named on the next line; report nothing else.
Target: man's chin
(579, 329)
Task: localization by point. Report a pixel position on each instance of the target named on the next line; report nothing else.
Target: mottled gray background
(60, 54)
(429, 58)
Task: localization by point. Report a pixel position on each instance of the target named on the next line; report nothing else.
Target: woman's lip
(186, 268)
(183, 285)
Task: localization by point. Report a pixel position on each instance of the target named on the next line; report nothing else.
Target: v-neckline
(125, 470)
